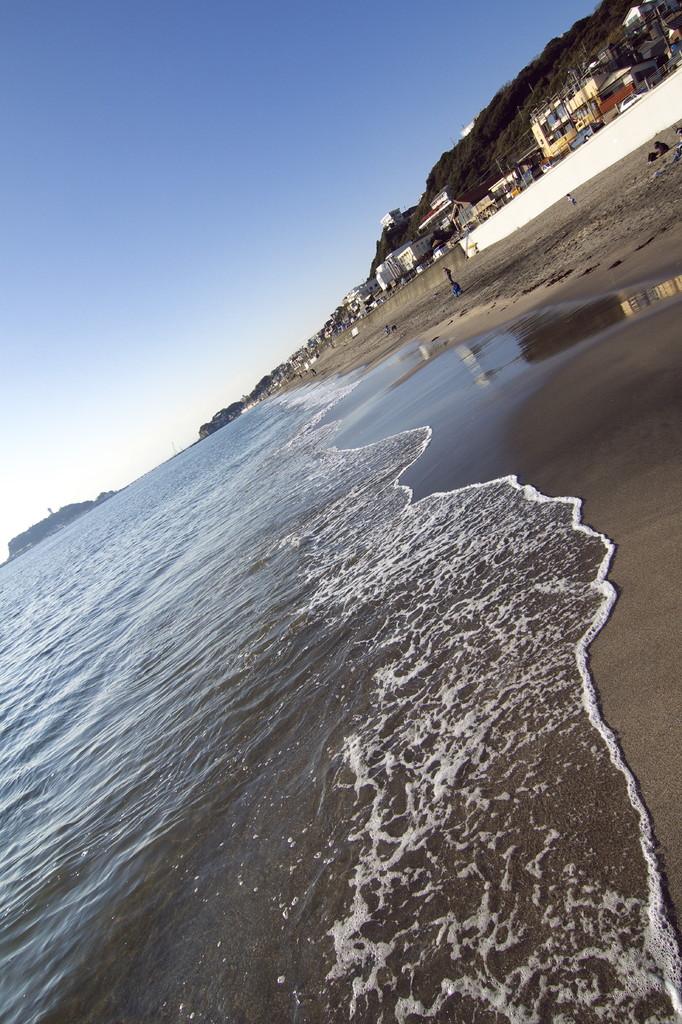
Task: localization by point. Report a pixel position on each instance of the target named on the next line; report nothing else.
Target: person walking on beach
(570, 198)
(448, 274)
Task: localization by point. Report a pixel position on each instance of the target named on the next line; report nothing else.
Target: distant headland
(52, 523)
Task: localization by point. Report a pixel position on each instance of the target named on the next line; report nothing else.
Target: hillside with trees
(501, 134)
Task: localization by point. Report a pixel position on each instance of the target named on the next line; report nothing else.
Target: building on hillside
(593, 94)
(388, 272)
(652, 11)
(586, 100)
(393, 219)
(362, 293)
(529, 163)
(621, 83)
(474, 205)
(636, 15)
(509, 185)
(655, 30)
(583, 105)
(409, 255)
(467, 128)
(438, 216)
(652, 30)
(553, 127)
(658, 44)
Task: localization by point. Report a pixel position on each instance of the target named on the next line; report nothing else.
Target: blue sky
(189, 189)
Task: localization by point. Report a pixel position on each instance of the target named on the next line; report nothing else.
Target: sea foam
(502, 859)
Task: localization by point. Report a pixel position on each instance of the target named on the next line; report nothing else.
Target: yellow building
(553, 128)
(583, 105)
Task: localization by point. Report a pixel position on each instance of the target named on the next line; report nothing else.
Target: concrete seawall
(428, 281)
(658, 110)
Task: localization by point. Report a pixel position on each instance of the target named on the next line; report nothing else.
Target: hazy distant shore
(604, 427)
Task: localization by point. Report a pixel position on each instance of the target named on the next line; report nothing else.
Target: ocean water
(283, 742)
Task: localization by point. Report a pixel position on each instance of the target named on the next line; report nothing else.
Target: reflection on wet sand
(548, 332)
(642, 300)
(481, 377)
(468, 390)
(553, 331)
(468, 357)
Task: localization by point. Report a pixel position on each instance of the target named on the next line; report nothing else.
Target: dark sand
(605, 426)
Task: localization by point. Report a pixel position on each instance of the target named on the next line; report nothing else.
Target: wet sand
(605, 426)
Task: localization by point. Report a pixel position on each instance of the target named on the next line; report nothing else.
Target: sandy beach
(604, 426)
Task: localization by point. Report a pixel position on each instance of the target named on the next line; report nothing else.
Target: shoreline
(625, 229)
(604, 426)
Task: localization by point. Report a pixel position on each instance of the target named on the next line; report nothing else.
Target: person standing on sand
(570, 198)
(448, 274)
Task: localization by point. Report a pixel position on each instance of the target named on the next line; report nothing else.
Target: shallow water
(472, 389)
(282, 743)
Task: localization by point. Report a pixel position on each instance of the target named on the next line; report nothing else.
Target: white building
(638, 16)
(362, 292)
(409, 255)
(439, 216)
(392, 219)
(388, 272)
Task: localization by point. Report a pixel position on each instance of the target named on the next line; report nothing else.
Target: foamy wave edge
(661, 939)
